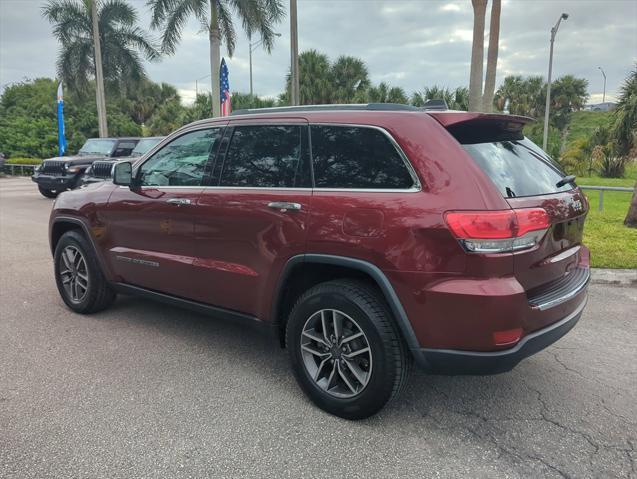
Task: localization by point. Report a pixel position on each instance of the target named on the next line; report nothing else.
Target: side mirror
(123, 173)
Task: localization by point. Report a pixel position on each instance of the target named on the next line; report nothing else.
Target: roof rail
(349, 107)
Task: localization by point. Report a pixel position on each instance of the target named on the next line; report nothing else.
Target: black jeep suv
(100, 170)
(59, 174)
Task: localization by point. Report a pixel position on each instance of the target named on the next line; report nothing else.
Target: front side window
(182, 162)
(358, 158)
(263, 156)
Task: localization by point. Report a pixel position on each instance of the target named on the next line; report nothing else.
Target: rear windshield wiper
(510, 192)
(567, 179)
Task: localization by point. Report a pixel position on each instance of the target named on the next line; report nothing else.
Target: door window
(182, 162)
(265, 156)
(356, 157)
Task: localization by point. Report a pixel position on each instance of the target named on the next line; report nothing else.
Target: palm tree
(457, 99)
(477, 55)
(568, 94)
(349, 76)
(624, 131)
(216, 18)
(315, 80)
(383, 93)
(492, 56)
(124, 45)
(525, 95)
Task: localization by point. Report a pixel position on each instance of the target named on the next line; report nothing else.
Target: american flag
(224, 84)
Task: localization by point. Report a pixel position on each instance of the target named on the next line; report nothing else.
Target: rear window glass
(518, 167)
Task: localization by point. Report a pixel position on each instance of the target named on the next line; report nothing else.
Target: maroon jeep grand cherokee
(364, 237)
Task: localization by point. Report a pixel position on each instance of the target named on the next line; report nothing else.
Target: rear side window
(264, 156)
(518, 167)
(358, 158)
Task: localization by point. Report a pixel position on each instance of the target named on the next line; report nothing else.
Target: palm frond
(117, 12)
(226, 27)
(172, 16)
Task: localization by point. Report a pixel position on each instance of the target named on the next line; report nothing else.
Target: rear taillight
(498, 231)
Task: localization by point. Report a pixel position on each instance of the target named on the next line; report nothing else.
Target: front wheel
(345, 350)
(48, 193)
(78, 276)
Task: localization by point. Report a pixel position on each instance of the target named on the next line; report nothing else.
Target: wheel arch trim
(86, 230)
(373, 271)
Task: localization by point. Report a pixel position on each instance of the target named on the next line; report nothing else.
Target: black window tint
(181, 162)
(356, 157)
(518, 167)
(263, 156)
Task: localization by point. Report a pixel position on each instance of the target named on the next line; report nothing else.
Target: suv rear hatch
(528, 178)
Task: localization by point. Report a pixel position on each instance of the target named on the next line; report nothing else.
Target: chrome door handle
(284, 206)
(178, 201)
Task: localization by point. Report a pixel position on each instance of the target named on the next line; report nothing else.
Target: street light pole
(197, 85)
(564, 16)
(250, 43)
(294, 44)
(253, 47)
(604, 94)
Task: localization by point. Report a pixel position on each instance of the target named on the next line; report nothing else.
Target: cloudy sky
(408, 43)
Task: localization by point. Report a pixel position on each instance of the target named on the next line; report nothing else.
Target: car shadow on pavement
(259, 354)
(544, 418)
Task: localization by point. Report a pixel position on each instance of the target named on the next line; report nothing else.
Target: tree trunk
(99, 75)
(492, 57)
(631, 217)
(215, 59)
(477, 55)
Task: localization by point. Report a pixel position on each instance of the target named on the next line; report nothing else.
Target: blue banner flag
(61, 136)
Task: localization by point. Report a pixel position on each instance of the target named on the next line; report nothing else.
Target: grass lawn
(612, 244)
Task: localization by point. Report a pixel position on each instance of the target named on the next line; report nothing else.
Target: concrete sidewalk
(619, 277)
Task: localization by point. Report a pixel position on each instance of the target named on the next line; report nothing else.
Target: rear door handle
(178, 201)
(284, 206)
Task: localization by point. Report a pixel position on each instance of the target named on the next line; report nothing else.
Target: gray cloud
(406, 43)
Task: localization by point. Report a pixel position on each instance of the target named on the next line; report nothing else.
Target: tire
(48, 193)
(91, 292)
(380, 373)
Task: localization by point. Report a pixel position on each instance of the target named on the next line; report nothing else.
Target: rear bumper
(449, 361)
(53, 182)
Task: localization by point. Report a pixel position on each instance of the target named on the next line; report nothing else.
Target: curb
(618, 277)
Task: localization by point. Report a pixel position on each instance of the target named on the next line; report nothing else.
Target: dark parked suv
(65, 172)
(363, 237)
(100, 170)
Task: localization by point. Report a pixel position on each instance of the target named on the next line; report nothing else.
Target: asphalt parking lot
(145, 390)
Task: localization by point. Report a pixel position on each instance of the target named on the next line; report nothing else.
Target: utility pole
(604, 94)
(99, 75)
(294, 43)
(564, 16)
(250, 46)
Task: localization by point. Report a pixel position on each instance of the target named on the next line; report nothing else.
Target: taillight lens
(498, 231)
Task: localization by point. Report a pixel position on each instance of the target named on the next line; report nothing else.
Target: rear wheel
(345, 351)
(48, 193)
(78, 275)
